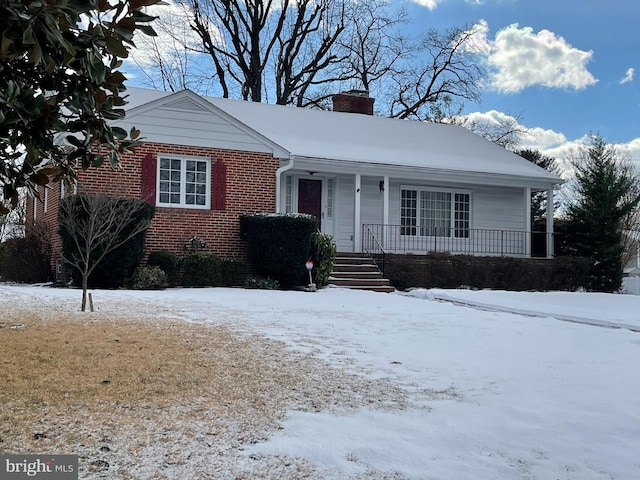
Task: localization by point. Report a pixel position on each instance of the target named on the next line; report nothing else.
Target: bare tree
(12, 223)
(631, 223)
(97, 225)
(442, 66)
(375, 43)
(291, 41)
(506, 131)
(301, 52)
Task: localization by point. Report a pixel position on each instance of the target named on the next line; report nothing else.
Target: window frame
(458, 217)
(183, 181)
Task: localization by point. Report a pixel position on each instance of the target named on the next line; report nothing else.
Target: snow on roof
(369, 139)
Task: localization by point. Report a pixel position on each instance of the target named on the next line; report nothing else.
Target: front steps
(357, 271)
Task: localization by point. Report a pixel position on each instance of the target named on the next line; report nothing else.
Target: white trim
(183, 175)
(527, 217)
(550, 235)
(35, 204)
(279, 173)
(357, 225)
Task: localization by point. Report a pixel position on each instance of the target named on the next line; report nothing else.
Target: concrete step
(358, 271)
(357, 274)
(381, 289)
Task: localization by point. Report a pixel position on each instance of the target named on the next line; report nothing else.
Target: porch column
(357, 227)
(527, 213)
(550, 236)
(385, 211)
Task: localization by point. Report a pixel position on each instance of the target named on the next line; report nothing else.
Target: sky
(421, 385)
(565, 69)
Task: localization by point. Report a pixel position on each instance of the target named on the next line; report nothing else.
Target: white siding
(345, 211)
(192, 127)
(498, 209)
(372, 200)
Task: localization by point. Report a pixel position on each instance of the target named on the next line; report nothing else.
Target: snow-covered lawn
(491, 394)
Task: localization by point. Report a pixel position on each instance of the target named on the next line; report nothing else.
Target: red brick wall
(43, 219)
(250, 189)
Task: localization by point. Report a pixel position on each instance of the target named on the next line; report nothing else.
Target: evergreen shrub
(201, 269)
(149, 278)
(323, 254)
(27, 259)
(442, 270)
(168, 262)
(279, 245)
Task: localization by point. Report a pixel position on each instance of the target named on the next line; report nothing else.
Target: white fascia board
(426, 173)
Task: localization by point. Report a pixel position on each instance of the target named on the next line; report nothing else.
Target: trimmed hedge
(442, 270)
(202, 269)
(27, 259)
(323, 254)
(279, 245)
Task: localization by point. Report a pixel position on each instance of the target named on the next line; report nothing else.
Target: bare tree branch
(97, 225)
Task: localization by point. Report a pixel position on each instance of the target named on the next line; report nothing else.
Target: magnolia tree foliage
(60, 86)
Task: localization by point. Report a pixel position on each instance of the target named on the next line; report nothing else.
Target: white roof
(368, 139)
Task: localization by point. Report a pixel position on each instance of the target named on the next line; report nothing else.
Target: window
(434, 213)
(184, 181)
(408, 212)
(330, 194)
(289, 194)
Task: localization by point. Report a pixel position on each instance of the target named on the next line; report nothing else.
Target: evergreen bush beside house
(169, 263)
(149, 278)
(279, 245)
(201, 269)
(323, 254)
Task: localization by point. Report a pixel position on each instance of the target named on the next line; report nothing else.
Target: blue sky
(565, 68)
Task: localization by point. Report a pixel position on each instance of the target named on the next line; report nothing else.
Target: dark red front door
(310, 197)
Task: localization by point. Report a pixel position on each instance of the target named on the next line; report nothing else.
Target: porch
(381, 239)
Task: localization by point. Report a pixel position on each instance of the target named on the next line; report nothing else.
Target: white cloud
(478, 41)
(628, 77)
(520, 58)
(430, 4)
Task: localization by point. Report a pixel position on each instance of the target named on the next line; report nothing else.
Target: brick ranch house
(400, 186)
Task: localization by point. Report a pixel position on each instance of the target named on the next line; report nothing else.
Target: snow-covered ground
(551, 392)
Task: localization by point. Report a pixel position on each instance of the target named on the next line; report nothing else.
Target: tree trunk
(85, 282)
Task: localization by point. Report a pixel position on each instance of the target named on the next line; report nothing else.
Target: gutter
(279, 173)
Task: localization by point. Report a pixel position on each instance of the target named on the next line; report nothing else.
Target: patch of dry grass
(140, 398)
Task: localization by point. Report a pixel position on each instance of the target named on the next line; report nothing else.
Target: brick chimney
(353, 101)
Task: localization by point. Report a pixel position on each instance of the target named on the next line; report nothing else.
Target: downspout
(279, 173)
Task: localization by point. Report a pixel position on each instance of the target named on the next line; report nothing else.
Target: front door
(310, 198)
